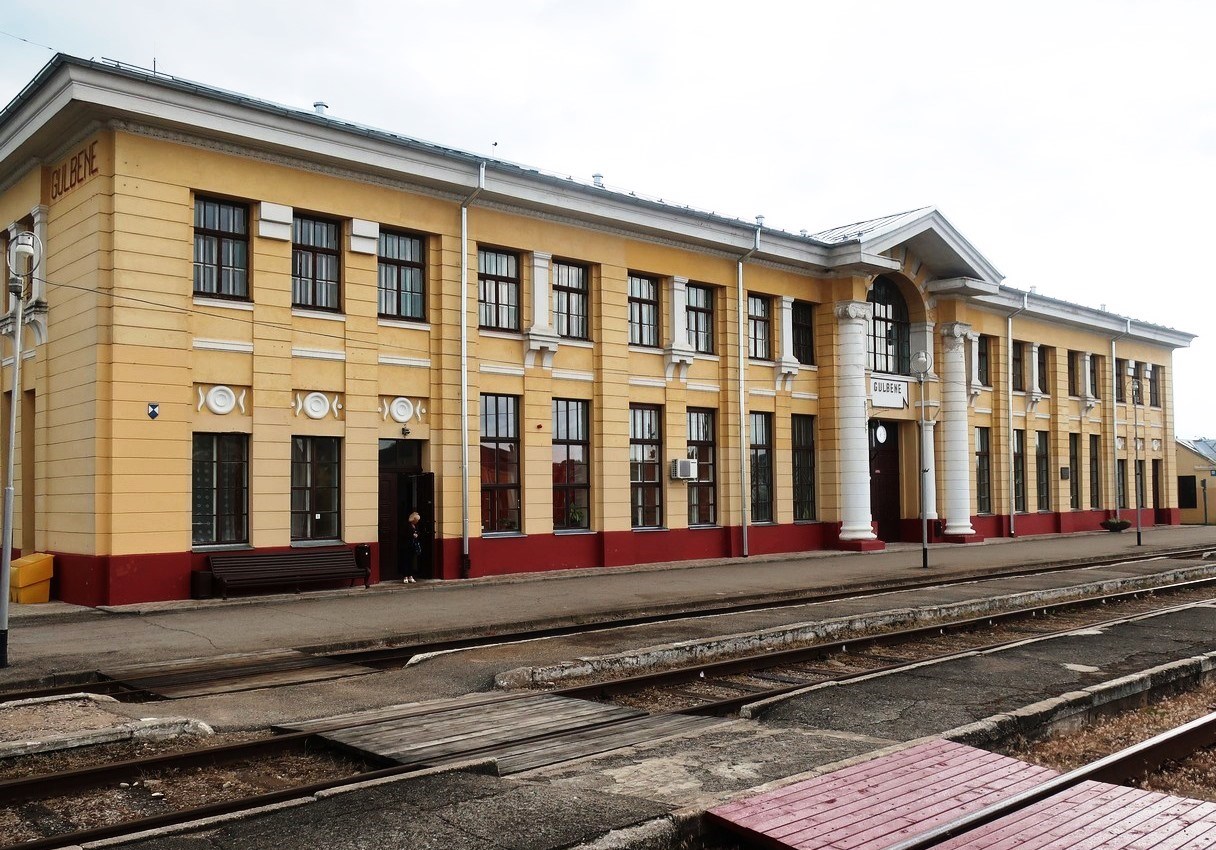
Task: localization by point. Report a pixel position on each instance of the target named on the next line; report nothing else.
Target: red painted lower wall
(125, 579)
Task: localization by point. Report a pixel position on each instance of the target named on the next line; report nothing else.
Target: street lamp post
(921, 364)
(24, 250)
(1131, 372)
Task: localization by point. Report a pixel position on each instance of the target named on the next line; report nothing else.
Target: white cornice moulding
(647, 382)
(364, 236)
(762, 392)
(223, 303)
(223, 345)
(274, 221)
(704, 388)
(415, 362)
(404, 324)
(317, 353)
(501, 369)
(573, 375)
(805, 396)
(305, 313)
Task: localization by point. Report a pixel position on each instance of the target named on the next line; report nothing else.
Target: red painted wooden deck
(880, 803)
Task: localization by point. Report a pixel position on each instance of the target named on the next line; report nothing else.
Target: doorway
(404, 489)
(884, 479)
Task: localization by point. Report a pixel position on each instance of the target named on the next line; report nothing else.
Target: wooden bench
(266, 569)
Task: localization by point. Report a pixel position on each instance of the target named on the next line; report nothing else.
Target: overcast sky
(1072, 143)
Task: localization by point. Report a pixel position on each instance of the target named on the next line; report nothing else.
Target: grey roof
(858, 230)
(1202, 446)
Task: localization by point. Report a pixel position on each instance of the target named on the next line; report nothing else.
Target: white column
(542, 310)
(974, 339)
(955, 430)
(1085, 366)
(677, 289)
(853, 317)
(930, 470)
(1034, 369)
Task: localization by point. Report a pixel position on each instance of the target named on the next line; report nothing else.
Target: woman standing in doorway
(415, 549)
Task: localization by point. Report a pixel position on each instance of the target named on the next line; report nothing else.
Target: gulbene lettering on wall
(74, 171)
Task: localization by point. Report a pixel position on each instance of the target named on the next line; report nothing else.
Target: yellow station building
(256, 327)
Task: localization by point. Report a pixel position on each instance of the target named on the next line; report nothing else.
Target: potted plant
(1113, 524)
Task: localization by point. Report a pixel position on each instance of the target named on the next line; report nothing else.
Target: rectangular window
(762, 466)
(1120, 380)
(701, 318)
(571, 464)
(1188, 495)
(1154, 387)
(983, 359)
(1042, 469)
(1018, 361)
(1121, 482)
(570, 301)
(759, 327)
(1095, 376)
(804, 332)
(1074, 471)
(1095, 471)
(702, 447)
(314, 263)
(983, 471)
(401, 291)
(1019, 471)
(1138, 384)
(646, 465)
(316, 488)
(643, 311)
(1041, 366)
(803, 443)
(221, 249)
(220, 492)
(498, 290)
(500, 482)
(1074, 373)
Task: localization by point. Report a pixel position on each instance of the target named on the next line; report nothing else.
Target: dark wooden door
(884, 479)
(391, 520)
(418, 494)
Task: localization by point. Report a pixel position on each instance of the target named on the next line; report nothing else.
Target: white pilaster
(955, 431)
(1034, 369)
(787, 364)
(930, 467)
(542, 338)
(680, 352)
(856, 523)
(974, 340)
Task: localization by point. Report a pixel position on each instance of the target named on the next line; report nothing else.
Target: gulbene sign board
(886, 391)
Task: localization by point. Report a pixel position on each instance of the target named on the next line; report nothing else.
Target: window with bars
(759, 327)
(1074, 471)
(500, 464)
(889, 341)
(220, 489)
(1120, 380)
(983, 471)
(401, 289)
(1017, 359)
(762, 466)
(803, 447)
(571, 464)
(803, 327)
(983, 360)
(701, 318)
(316, 488)
(315, 263)
(498, 290)
(646, 465)
(221, 249)
(1019, 471)
(570, 301)
(1095, 471)
(643, 311)
(1042, 469)
(1074, 373)
(702, 447)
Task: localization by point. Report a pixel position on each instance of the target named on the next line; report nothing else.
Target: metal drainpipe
(744, 493)
(464, 370)
(1013, 510)
(1114, 412)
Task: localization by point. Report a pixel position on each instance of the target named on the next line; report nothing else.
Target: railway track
(142, 683)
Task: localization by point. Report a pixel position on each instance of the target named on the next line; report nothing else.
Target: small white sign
(888, 392)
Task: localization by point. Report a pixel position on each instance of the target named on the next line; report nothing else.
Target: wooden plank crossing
(522, 733)
(228, 673)
(881, 802)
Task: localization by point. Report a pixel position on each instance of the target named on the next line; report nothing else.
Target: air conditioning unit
(683, 469)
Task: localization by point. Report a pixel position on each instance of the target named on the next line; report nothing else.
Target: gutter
(464, 369)
(1009, 377)
(744, 484)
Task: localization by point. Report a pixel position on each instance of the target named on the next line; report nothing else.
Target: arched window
(889, 329)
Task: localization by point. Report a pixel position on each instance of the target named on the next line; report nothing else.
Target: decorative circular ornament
(880, 433)
(316, 405)
(401, 409)
(221, 400)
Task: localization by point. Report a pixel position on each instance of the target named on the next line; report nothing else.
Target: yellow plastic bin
(30, 579)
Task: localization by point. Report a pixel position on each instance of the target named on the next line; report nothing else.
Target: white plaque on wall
(886, 391)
